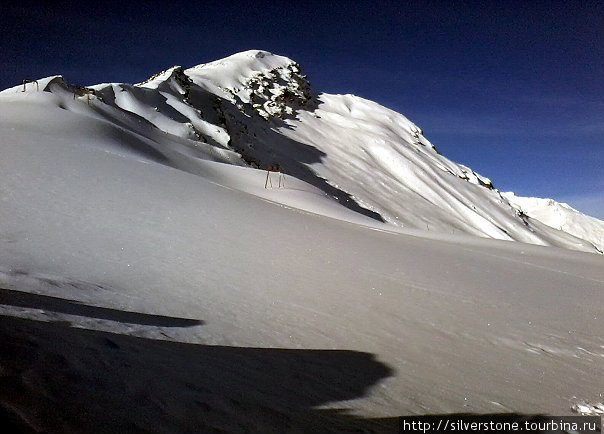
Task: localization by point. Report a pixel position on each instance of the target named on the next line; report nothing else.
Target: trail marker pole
(31, 81)
(269, 179)
(86, 92)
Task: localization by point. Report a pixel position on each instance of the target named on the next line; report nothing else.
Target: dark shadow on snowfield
(56, 378)
(72, 307)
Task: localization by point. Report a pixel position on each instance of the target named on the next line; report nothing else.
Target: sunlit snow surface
(145, 279)
(561, 216)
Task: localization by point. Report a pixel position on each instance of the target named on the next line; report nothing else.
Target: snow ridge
(255, 108)
(560, 216)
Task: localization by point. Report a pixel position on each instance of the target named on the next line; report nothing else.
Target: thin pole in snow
(31, 81)
(269, 179)
(86, 92)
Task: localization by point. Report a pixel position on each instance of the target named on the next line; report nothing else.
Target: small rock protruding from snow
(586, 409)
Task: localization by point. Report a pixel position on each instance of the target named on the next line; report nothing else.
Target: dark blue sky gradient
(514, 90)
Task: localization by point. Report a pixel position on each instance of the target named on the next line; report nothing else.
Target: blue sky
(514, 90)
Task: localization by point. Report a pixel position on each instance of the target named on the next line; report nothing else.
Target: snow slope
(151, 283)
(372, 156)
(561, 216)
(258, 109)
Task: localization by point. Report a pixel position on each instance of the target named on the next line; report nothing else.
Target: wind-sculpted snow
(150, 282)
(182, 301)
(257, 108)
(561, 216)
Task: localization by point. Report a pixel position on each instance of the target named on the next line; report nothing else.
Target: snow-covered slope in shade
(257, 108)
(561, 216)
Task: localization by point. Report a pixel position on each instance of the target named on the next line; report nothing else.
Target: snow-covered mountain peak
(139, 240)
(560, 216)
(265, 83)
(234, 71)
(256, 108)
